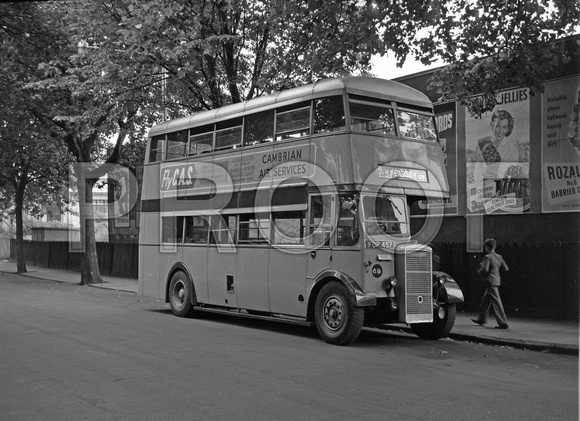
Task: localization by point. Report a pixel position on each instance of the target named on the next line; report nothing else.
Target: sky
(385, 67)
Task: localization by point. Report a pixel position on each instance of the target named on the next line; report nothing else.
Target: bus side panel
(195, 259)
(287, 281)
(333, 155)
(252, 278)
(149, 277)
(222, 283)
(350, 263)
(168, 257)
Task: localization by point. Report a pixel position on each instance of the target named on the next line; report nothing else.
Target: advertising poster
(561, 146)
(445, 118)
(498, 156)
(121, 199)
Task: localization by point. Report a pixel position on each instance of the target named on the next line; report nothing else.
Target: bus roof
(361, 85)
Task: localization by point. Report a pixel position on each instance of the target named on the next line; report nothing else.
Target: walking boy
(489, 271)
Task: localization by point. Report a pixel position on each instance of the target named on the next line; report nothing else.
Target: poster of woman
(497, 156)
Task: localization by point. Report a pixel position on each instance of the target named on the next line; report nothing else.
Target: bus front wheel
(180, 293)
(337, 318)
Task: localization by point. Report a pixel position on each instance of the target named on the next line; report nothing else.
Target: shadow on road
(368, 337)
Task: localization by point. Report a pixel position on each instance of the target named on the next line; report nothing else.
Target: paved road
(69, 352)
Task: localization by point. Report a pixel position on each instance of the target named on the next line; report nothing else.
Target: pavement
(559, 337)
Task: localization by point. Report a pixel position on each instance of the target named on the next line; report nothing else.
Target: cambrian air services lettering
(277, 158)
(282, 156)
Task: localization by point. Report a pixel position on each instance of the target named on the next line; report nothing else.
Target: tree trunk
(19, 199)
(90, 272)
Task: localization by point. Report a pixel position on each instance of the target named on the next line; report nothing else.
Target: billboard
(446, 119)
(497, 156)
(561, 146)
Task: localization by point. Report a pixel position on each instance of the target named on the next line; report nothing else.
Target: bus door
(288, 263)
(346, 254)
(320, 223)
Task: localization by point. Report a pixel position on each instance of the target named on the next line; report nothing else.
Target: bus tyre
(180, 293)
(440, 327)
(337, 318)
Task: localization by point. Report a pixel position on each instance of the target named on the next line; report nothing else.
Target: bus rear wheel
(443, 320)
(337, 318)
(180, 293)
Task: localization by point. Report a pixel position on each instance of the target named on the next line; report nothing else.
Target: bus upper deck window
(329, 114)
(176, 144)
(228, 134)
(259, 128)
(201, 140)
(293, 121)
(156, 149)
(416, 126)
(371, 118)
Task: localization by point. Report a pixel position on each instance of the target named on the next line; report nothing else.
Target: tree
(142, 61)
(30, 160)
(488, 46)
(208, 53)
(147, 57)
(90, 101)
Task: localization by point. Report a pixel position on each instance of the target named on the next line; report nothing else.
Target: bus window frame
(366, 221)
(173, 142)
(258, 220)
(421, 112)
(327, 227)
(294, 133)
(225, 125)
(159, 150)
(175, 221)
(222, 224)
(247, 127)
(343, 211)
(189, 234)
(373, 102)
(334, 130)
(276, 233)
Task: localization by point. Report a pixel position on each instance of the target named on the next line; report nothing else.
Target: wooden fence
(115, 259)
(542, 281)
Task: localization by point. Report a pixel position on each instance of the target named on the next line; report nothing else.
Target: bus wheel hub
(333, 313)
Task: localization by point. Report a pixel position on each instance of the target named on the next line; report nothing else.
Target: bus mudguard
(446, 289)
(180, 266)
(362, 299)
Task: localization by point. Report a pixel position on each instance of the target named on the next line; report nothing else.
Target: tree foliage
(31, 160)
(99, 73)
(489, 45)
(203, 54)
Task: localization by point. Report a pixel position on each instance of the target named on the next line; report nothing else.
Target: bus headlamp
(442, 278)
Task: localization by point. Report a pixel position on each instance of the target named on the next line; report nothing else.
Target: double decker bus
(295, 206)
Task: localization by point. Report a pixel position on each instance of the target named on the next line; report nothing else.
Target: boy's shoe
(479, 322)
(502, 326)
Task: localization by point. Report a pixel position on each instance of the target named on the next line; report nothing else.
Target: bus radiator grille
(418, 283)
